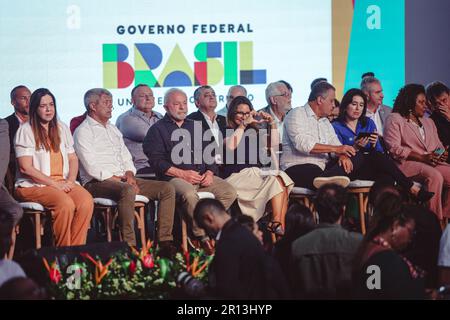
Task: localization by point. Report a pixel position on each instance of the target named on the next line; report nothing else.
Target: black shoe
(167, 249)
(424, 196)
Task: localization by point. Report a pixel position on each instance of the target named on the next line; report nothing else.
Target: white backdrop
(58, 44)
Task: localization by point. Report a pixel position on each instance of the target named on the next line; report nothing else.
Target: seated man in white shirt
(309, 143)
(279, 99)
(107, 170)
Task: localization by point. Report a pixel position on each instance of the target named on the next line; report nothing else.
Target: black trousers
(372, 166)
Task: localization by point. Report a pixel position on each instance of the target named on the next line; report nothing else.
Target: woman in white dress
(247, 150)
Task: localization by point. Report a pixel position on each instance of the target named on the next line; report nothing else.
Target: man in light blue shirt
(135, 122)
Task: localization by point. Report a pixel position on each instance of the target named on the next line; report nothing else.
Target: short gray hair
(93, 95)
(320, 90)
(171, 92)
(242, 88)
(367, 82)
(273, 89)
(199, 91)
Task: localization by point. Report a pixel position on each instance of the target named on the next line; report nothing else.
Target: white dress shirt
(278, 122)
(302, 131)
(101, 151)
(213, 125)
(375, 116)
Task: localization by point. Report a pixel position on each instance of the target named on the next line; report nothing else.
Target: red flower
(53, 271)
(55, 275)
(132, 267)
(147, 261)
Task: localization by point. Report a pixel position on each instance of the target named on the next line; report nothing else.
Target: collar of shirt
(274, 116)
(141, 114)
(20, 120)
(311, 114)
(208, 119)
(218, 235)
(93, 122)
(167, 119)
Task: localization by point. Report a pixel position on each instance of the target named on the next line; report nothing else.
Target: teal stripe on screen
(377, 44)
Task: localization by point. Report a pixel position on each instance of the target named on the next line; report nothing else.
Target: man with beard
(174, 152)
(20, 99)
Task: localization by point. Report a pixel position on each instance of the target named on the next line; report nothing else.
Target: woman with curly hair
(413, 142)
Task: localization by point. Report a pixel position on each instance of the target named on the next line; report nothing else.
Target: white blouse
(25, 145)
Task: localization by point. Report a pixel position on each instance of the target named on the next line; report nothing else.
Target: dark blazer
(385, 111)
(221, 121)
(241, 269)
(14, 124)
(4, 145)
(443, 129)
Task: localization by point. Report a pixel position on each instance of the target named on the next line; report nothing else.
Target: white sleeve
(68, 139)
(297, 131)
(24, 142)
(84, 147)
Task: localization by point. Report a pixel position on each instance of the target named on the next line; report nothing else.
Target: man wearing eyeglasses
(279, 99)
(135, 122)
(233, 92)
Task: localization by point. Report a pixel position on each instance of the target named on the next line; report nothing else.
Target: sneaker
(342, 181)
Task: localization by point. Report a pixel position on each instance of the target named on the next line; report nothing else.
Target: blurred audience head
(330, 203)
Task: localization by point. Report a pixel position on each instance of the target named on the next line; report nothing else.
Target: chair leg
(13, 242)
(108, 223)
(38, 229)
(184, 244)
(141, 224)
(361, 213)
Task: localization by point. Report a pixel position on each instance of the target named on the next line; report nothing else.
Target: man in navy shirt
(175, 149)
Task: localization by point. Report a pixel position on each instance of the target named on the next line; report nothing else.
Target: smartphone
(439, 151)
(363, 135)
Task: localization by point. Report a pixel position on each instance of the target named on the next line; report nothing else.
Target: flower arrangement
(142, 275)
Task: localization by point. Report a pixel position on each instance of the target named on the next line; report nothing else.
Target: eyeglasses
(286, 95)
(243, 113)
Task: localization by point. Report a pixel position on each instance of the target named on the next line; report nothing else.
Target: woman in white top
(47, 171)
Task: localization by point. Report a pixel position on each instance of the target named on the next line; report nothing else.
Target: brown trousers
(124, 195)
(71, 212)
(188, 198)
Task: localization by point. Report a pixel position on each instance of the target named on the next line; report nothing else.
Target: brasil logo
(231, 62)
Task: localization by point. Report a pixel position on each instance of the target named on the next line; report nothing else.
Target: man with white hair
(279, 98)
(107, 170)
(174, 152)
(233, 92)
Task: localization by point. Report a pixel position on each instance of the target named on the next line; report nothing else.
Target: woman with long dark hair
(48, 167)
(245, 148)
(353, 128)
